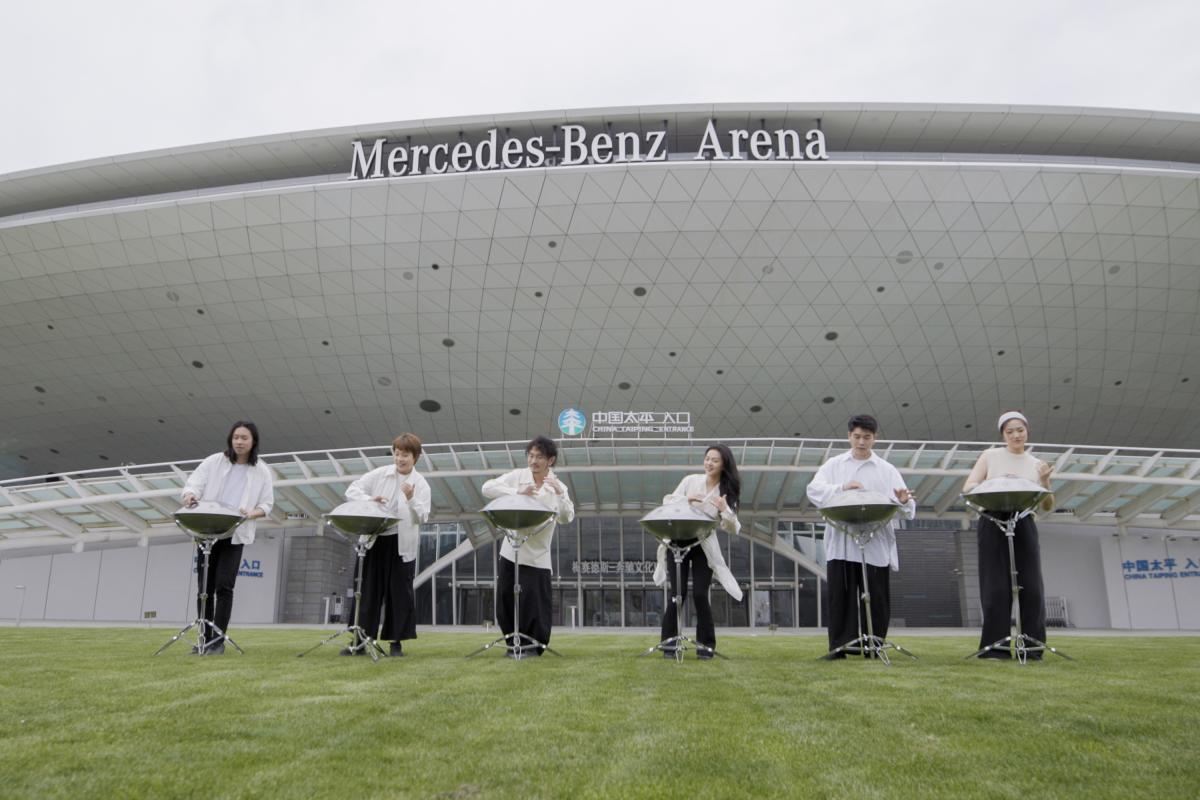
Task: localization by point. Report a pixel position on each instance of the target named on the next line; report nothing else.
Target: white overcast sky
(82, 80)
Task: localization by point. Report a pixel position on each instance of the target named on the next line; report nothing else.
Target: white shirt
(711, 545)
(208, 480)
(875, 475)
(387, 482)
(536, 550)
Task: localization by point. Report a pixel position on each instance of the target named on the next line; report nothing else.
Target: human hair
(545, 445)
(252, 459)
(410, 442)
(864, 421)
(731, 482)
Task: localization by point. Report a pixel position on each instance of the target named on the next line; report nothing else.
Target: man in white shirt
(537, 605)
(859, 468)
(388, 570)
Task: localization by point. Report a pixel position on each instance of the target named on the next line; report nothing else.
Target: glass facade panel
(600, 561)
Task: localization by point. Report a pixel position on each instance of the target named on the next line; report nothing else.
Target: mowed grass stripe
(91, 712)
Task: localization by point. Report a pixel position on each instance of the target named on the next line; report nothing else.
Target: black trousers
(695, 563)
(537, 602)
(223, 565)
(845, 600)
(995, 584)
(388, 587)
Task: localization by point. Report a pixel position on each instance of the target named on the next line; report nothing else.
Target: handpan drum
(1006, 495)
(208, 520)
(677, 521)
(859, 507)
(516, 512)
(361, 518)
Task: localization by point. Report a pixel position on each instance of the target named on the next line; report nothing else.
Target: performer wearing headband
(388, 570)
(537, 606)
(995, 591)
(859, 468)
(717, 490)
(235, 478)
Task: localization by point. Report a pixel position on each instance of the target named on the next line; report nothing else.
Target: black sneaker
(217, 649)
(669, 654)
(705, 655)
(396, 650)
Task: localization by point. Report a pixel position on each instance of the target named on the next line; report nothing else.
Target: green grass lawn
(90, 713)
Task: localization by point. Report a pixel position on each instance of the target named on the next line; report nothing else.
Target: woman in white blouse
(236, 479)
(995, 589)
(717, 491)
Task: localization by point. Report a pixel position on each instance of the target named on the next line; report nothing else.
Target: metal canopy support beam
(463, 547)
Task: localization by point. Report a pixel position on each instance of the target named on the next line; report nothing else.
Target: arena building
(638, 281)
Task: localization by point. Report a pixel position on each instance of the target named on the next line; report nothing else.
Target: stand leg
(1018, 642)
(678, 644)
(869, 645)
(204, 640)
(359, 638)
(519, 645)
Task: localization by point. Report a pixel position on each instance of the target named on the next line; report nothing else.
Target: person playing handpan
(717, 490)
(388, 569)
(995, 589)
(234, 478)
(536, 480)
(859, 468)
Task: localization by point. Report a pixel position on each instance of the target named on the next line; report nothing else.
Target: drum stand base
(867, 644)
(520, 645)
(359, 638)
(1018, 644)
(869, 647)
(678, 645)
(203, 643)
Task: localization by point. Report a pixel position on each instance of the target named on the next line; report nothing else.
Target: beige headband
(1010, 415)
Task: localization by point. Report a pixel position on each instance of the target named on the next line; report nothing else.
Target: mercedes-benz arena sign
(765, 269)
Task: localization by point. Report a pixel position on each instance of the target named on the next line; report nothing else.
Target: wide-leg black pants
(537, 602)
(388, 588)
(846, 607)
(695, 563)
(223, 564)
(995, 584)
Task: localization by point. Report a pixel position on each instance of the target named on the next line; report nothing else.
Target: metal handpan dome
(680, 520)
(1006, 495)
(859, 507)
(515, 512)
(361, 518)
(208, 520)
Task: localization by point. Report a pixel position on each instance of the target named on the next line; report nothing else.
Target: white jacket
(876, 475)
(698, 484)
(206, 481)
(536, 550)
(386, 482)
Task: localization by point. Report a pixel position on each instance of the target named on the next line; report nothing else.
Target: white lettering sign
(380, 159)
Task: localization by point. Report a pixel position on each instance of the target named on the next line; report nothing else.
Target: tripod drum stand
(517, 517)
(1014, 498)
(679, 527)
(363, 521)
(207, 523)
(862, 514)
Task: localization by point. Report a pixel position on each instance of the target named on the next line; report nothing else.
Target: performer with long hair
(388, 571)
(537, 480)
(859, 468)
(995, 590)
(236, 479)
(718, 491)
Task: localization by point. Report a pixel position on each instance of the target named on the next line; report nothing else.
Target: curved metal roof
(765, 298)
(870, 129)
